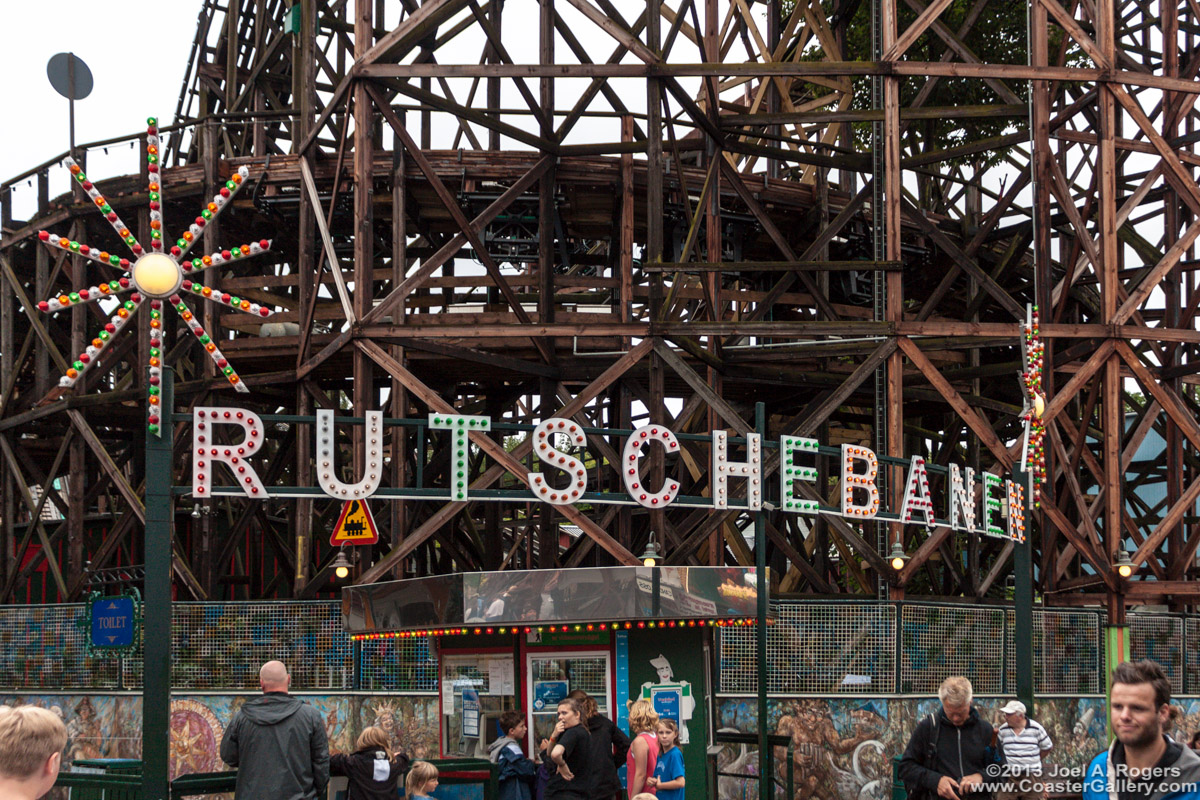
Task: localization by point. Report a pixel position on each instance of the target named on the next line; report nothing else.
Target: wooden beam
(980, 427)
(493, 449)
(701, 387)
(913, 31)
(335, 266)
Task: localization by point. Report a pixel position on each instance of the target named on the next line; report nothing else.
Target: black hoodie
(373, 776)
(958, 751)
(279, 746)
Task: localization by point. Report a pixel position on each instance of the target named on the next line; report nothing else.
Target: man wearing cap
(1024, 744)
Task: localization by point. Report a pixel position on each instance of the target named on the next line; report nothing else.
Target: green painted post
(765, 788)
(1116, 651)
(156, 692)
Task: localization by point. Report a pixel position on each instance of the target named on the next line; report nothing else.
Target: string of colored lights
(102, 204)
(188, 238)
(589, 627)
(210, 346)
(1031, 377)
(239, 253)
(56, 242)
(226, 299)
(121, 317)
(156, 275)
(98, 292)
(154, 188)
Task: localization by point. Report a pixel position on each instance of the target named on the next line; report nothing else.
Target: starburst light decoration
(1033, 450)
(155, 273)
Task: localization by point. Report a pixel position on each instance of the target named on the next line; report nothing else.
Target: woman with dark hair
(571, 754)
(1194, 743)
(609, 745)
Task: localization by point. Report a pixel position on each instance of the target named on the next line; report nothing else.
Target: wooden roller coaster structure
(667, 213)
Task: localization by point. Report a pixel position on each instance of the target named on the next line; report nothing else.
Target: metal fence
(1161, 638)
(1068, 650)
(214, 647)
(821, 647)
(867, 648)
(818, 648)
(398, 665)
(222, 645)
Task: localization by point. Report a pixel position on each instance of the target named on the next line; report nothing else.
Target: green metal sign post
(766, 782)
(156, 692)
(1023, 610)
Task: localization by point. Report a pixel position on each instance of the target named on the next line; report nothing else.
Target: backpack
(928, 760)
(993, 754)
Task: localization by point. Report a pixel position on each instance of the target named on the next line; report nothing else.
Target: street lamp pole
(156, 691)
(766, 784)
(1023, 616)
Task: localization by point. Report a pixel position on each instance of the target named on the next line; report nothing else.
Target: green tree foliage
(997, 35)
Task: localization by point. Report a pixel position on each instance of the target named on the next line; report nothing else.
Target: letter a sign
(355, 525)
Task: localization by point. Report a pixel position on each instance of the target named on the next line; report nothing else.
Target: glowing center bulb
(156, 275)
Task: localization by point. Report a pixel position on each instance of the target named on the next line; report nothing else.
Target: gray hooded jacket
(279, 746)
(1180, 779)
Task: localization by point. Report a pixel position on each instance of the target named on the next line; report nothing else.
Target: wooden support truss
(667, 213)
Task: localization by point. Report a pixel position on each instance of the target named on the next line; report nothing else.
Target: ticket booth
(526, 639)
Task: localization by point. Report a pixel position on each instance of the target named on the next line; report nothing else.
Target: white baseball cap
(1013, 707)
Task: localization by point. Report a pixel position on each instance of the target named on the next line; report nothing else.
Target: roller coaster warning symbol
(355, 525)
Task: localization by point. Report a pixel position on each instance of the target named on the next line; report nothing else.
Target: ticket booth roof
(551, 597)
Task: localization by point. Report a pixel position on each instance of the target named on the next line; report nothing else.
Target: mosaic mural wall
(110, 726)
(843, 748)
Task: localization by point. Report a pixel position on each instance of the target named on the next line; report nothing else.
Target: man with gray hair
(278, 742)
(948, 753)
(1024, 744)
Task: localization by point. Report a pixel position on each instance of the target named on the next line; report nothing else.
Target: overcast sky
(137, 51)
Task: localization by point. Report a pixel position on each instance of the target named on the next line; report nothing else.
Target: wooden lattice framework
(681, 209)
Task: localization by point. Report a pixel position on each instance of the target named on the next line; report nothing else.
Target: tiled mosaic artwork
(843, 747)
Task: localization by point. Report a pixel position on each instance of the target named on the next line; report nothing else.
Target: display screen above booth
(519, 598)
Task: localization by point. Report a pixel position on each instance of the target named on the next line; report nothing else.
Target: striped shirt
(1023, 751)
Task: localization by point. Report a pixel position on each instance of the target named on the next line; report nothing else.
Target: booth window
(476, 688)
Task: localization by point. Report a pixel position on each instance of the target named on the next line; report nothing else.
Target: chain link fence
(1068, 649)
(821, 647)
(910, 648)
(1161, 637)
(398, 665)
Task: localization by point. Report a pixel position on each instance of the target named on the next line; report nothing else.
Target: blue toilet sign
(113, 622)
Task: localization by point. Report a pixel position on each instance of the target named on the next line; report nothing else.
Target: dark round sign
(58, 70)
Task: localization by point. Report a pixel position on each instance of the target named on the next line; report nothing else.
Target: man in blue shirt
(1142, 763)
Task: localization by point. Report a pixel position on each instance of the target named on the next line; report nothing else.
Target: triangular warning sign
(355, 525)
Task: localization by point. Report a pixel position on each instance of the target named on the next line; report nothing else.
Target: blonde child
(643, 749)
(372, 772)
(422, 779)
(668, 777)
(31, 744)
